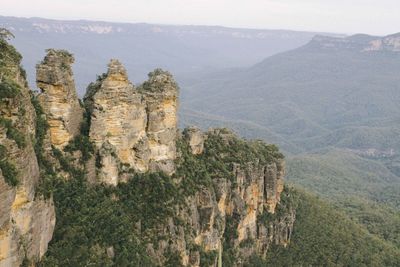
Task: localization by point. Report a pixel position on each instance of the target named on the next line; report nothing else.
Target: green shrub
(130, 215)
(8, 170)
(48, 178)
(9, 89)
(13, 133)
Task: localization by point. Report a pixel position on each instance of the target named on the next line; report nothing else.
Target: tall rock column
(58, 96)
(161, 96)
(132, 128)
(118, 124)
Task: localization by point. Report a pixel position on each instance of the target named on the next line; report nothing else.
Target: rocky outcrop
(195, 138)
(237, 216)
(58, 96)
(388, 43)
(230, 190)
(132, 128)
(238, 207)
(118, 124)
(160, 94)
(358, 42)
(26, 220)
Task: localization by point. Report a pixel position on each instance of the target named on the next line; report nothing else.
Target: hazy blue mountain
(333, 106)
(143, 47)
(341, 92)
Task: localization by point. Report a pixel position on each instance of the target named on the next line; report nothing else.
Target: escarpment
(27, 220)
(158, 196)
(238, 214)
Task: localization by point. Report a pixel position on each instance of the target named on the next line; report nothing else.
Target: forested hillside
(332, 105)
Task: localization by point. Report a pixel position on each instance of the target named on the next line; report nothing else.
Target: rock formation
(196, 139)
(58, 96)
(358, 42)
(161, 97)
(132, 128)
(26, 220)
(239, 213)
(388, 43)
(236, 216)
(232, 199)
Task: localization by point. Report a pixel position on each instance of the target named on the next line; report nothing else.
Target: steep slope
(27, 219)
(224, 203)
(138, 125)
(310, 91)
(222, 199)
(333, 105)
(357, 176)
(325, 236)
(58, 97)
(215, 204)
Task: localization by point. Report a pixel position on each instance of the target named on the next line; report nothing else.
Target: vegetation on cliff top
(10, 68)
(127, 217)
(10, 59)
(91, 218)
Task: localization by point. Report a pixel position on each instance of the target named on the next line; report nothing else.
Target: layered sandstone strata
(132, 128)
(58, 96)
(26, 221)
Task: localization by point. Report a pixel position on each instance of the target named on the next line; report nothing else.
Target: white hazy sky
(344, 16)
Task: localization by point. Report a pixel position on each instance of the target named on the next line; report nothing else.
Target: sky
(378, 17)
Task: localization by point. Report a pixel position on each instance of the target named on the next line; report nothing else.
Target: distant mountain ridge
(360, 42)
(331, 88)
(111, 181)
(333, 106)
(181, 49)
(103, 27)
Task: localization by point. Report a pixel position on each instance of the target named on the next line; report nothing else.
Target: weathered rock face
(358, 42)
(238, 214)
(240, 205)
(58, 97)
(118, 124)
(196, 139)
(132, 128)
(232, 211)
(26, 222)
(388, 43)
(161, 98)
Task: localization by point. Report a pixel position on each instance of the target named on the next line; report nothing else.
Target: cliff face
(222, 195)
(26, 220)
(58, 96)
(388, 43)
(132, 128)
(236, 216)
(161, 98)
(358, 42)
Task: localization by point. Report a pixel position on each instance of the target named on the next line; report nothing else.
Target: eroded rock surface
(132, 128)
(238, 215)
(195, 138)
(231, 208)
(26, 220)
(58, 96)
